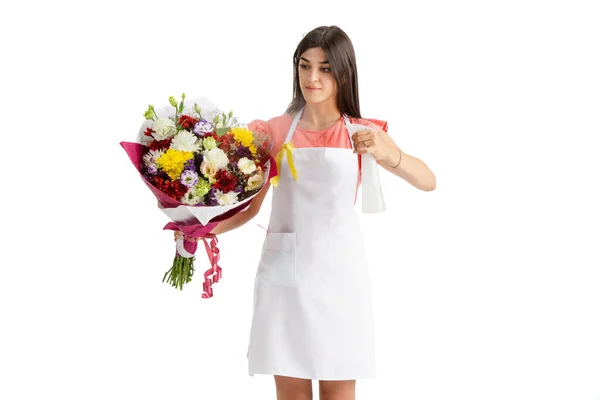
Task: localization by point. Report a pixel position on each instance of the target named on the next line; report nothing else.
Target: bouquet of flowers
(203, 166)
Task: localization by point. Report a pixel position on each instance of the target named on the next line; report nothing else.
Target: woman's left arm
(383, 148)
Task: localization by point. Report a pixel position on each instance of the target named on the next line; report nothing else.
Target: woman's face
(316, 79)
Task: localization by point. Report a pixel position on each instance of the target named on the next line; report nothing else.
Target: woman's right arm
(242, 217)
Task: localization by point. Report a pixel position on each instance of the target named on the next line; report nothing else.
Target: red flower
(160, 144)
(226, 181)
(187, 122)
(212, 134)
(174, 189)
(227, 139)
(227, 143)
(148, 131)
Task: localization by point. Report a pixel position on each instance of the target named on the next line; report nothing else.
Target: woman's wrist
(395, 158)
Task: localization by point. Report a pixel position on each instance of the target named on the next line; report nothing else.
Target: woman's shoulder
(276, 127)
(271, 125)
(374, 123)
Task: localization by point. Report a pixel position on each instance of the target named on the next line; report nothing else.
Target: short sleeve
(262, 127)
(377, 124)
(258, 125)
(276, 128)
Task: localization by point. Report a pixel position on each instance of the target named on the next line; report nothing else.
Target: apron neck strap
(296, 119)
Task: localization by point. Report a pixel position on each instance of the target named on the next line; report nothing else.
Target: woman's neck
(319, 116)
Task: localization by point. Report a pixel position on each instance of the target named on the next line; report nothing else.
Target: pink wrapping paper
(191, 227)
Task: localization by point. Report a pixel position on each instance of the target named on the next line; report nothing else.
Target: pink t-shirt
(335, 136)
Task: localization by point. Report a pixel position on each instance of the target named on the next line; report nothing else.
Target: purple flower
(202, 127)
(211, 199)
(189, 165)
(189, 178)
(198, 158)
(244, 152)
(164, 175)
(152, 170)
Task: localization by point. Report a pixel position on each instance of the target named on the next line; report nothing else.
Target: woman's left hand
(374, 143)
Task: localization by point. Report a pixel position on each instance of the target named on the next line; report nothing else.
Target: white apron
(312, 299)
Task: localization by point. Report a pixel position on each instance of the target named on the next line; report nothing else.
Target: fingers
(363, 145)
(366, 142)
(365, 138)
(179, 234)
(360, 135)
(366, 150)
(363, 149)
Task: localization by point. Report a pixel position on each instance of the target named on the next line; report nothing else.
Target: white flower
(208, 170)
(255, 182)
(246, 165)
(191, 197)
(151, 156)
(185, 141)
(226, 199)
(216, 157)
(164, 128)
(202, 127)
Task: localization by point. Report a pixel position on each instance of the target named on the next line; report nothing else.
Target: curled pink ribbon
(214, 273)
(192, 234)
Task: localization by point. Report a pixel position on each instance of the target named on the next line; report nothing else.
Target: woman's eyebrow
(320, 62)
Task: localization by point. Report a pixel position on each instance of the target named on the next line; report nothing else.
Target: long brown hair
(340, 53)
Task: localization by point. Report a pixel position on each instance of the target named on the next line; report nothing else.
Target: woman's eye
(303, 66)
(325, 69)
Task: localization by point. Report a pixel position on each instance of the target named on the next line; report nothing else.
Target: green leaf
(222, 131)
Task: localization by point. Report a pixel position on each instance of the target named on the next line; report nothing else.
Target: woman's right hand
(237, 220)
(179, 234)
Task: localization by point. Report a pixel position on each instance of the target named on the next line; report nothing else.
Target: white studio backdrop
(486, 288)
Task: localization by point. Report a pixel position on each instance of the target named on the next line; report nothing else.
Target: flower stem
(181, 272)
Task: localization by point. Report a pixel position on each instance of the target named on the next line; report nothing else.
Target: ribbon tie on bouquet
(286, 149)
(186, 247)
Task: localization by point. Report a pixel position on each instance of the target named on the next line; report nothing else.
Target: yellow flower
(173, 162)
(245, 137)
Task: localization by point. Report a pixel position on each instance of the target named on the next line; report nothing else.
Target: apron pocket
(278, 262)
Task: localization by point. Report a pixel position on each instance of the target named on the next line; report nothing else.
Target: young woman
(312, 301)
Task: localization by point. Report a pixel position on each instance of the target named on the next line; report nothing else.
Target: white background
(486, 288)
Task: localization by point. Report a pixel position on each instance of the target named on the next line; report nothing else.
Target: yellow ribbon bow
(285, 148)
